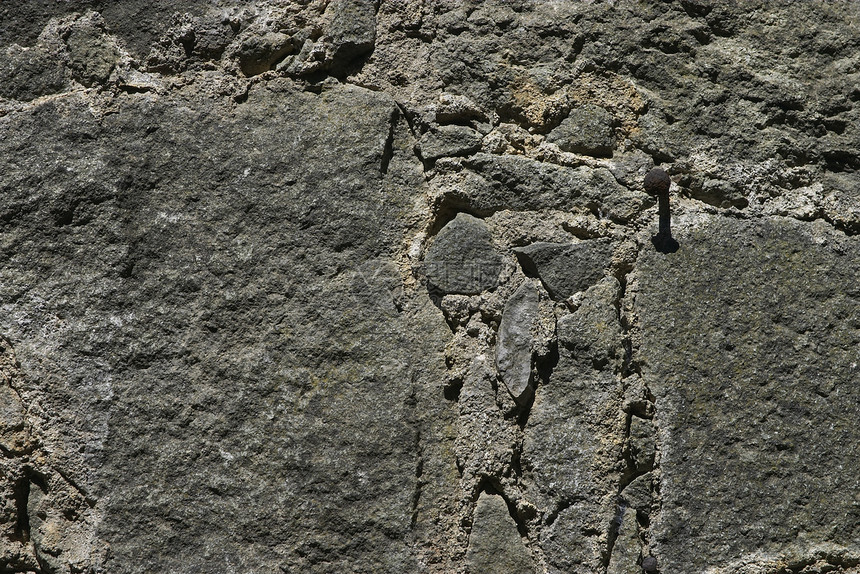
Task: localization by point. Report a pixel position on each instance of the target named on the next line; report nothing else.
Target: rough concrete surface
(369, 286)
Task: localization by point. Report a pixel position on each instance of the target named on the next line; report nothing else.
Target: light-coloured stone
(515, 341)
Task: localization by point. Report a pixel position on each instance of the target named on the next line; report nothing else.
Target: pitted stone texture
(495, 546)
(515, 341)
(462, 258)
(751, 346)
(572, 441)
(586, 130)
(566, 268)
(27, 73)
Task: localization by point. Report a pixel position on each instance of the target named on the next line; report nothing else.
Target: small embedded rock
(211, 37)
(258, 53)
(566, 268)
(641, 444)
(92, 53)
(462, 258)
(839, 203)
(636, 400)
(515, 340)
(637, 494)
(454, 108)
(351, 30)
(586, 130)
(449, 141)
(592, 332)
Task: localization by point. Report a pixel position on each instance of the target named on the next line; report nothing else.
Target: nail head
(657, 182)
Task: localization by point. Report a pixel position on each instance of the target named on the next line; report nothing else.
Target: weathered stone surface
(486, 441)
(495, 546)
(210, 251)
(571, 443)
(638, 495)
(139, 22)
(214, 234)
(566, 268)
(515, 182)
(592, 332)
(46, 521)
(515, 341)
(449, 141)
(750, 342)
(462, 258)
(587, 130)
(27, 73)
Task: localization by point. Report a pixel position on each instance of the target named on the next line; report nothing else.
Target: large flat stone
(751, 346)
(203, 308)
(587, 130)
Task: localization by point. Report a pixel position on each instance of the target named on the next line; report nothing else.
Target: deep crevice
(524, 411)
(452, 389)
(388, 149)
(37, 478)
(419, 472)
(522, 527)
(409, 122)
(21, 490)
(129, 89)
(630, 368)
(631, 472)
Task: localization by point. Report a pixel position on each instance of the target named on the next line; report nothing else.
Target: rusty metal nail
(657, 183)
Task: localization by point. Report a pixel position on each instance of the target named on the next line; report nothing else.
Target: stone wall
(361, 286)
